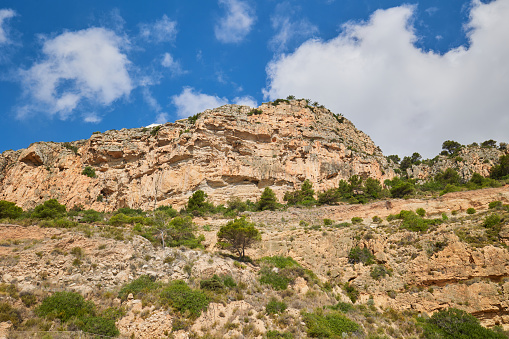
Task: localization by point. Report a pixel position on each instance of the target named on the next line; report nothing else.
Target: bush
(172, 213)
(379, 271)
(332, 324)
(280, 261)
(28, 299)
(453, 323)
(495, 205)
(351, 292)
(342, 306)
(501, 170)
(357, 255)
(9, 210)
(50, 209)
(214, 284)
(91, 216)
(402, 190)
(8, 313)
(274, 279)
(183, 299)
(100, 325)
(471, 210)
(275, 307)
(420, 212)
(492, 221)
(65, 305)
(143, 284)
(412, 222)
(356, 220)
(89, 172)
(273, 334)
(305, 196)
(119, 219)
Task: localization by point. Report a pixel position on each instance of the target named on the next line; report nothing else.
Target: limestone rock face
(470, 160)
(229, 151)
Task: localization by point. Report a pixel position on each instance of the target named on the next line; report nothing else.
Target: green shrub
(471, 210)
(28, 298)
(450, 188)
(328, 325)
(65, 305)
(89, 172)
(213, 284)
(356, 220)
(501, 170)
(358, 255)
(377, 219)
(342, 306)
(495, 205)
(143, 284)
(270, 277)
(9, 289)
(192, 119)
(328, 222)
(9, 210)
(414, 223)
(379, 271)
(198, 204)
(453, 324)
(402, 190)
(280, 261)
(172, 213)
(100, 326)
(305, 196)
(91, 216)
(50, 209)
(492, 220)
(183, 299)
(119, 219)
(421, 212)
(273, 334)
(275, 307)
(255, 112)
(8, 313)
(130, 211)
(155, 130)
(351, 292)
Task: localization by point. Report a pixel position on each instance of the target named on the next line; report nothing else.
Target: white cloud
(5, 14)
(150, 100)
(190, 102)
(173, 65)
(86, 65)
(246, 101)
(161, 118)
(92, 118)
(237, 23)
(407, 99)
(288, 30)
(163, 30)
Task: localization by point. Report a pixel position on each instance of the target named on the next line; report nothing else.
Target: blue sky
(409, 74)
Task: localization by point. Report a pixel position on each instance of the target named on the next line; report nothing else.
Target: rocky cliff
(469, 160)
(228, 151)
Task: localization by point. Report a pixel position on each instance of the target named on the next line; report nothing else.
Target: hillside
(453, 264)
(97, 248)
(231, 150)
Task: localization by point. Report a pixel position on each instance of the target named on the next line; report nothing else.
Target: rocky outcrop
(229, 151)
(469, 160)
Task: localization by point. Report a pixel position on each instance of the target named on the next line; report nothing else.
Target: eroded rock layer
(229, 151)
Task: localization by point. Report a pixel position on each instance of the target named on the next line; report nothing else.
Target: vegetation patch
(321, 324)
